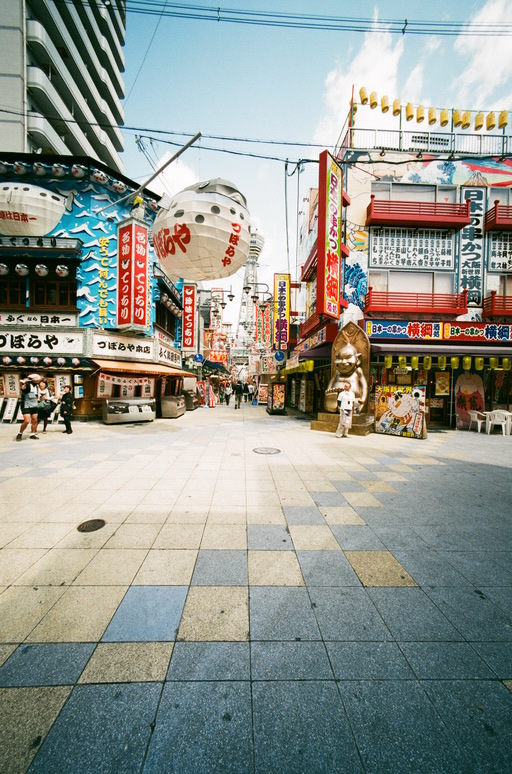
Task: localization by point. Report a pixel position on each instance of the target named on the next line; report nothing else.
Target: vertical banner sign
(132, 276)
(140, 277)
(267, 327)
(471, 258)
(189, 317)
(124, 275)
(330, 187)
(281, 336)
(217, 298)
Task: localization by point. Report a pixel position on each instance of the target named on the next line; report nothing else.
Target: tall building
(60, 77)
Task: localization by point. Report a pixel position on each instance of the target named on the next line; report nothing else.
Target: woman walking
(29, 405)
(44, 404)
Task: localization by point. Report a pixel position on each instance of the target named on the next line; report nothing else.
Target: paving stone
(220, 568)
(274, 568)
(302, 515)
(368, 661)
(270, 537)
(281, 614)
(45, 664)
(327, 568)
(128, 662)
(347, 614)
(146, 614)
(445, 661)
(411, 615)
(290, 661)
(379, 568)
(210, 661)
(215, 613)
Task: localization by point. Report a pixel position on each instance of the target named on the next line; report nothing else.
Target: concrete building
(425, 269)
(60, 78)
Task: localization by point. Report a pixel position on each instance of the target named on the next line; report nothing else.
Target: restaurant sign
(438, 331)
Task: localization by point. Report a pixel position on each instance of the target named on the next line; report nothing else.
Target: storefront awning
(220, 367)
(428, 348)
(153, 369)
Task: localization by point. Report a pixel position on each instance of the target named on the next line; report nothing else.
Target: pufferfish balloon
(205, 233)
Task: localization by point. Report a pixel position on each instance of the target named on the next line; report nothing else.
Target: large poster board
(400, 410)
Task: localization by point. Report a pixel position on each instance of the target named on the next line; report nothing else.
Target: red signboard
(330, 188)
(132, 276)
(189, 317)
(281, 337)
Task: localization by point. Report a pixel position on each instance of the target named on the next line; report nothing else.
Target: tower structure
(247, 313)
(60, 78)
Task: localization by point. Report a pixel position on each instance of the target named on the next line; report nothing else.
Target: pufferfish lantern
(205, 233)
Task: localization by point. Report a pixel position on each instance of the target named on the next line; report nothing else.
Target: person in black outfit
(66, 408)
(239, 391)
(246, 391)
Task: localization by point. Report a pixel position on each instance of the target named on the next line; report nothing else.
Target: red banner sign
(330, 187)
(189, 317)
(132, 276)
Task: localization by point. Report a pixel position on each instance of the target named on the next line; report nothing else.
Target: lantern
(457, 118)
(78, 171)
(34, 360)
(4, 270)
(363, 96)
(409, 111)
(384, 103)
(490, 123)
(6, 360)
(506, 362)
(61, 361)
(61, 270)
(397, 107)
(432, 116)
(427, 362)
(47, 361)
(39, 169)
(503, 119)
(58, 170)
(21, 360)
(44, 210)
(402, 361)
(479, 363)
(466, 120)
(373, 100)
(420, 114)
(41, 270)
(415, 362)
(479, 121)
(466, 363)
(75, 361)
(388, 361)
(205, 233)
(21, 269)
(454, 362)
(441, 362)
(493, 363)
(444, 120)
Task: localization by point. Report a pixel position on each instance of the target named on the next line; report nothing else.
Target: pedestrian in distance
(345, 401)
(228, 391)
(66, 408)
(246, 391)
(251, 392)
(239, 391)
(44, 404)
(29, 405)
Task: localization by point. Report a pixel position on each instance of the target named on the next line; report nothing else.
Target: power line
(323, 23)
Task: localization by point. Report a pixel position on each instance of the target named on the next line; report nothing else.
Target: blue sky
(245, 81)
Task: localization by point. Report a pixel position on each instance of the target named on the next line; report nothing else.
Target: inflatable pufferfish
(205, 232)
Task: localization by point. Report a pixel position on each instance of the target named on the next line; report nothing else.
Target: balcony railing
(416, 303)
(497, 306)
(499, 218)
(381, 212)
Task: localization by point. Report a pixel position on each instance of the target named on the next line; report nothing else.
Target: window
(165, 319)
(12, 291)
(53, 292)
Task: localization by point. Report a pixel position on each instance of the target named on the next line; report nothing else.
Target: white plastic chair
(478, 418)
(496, 419)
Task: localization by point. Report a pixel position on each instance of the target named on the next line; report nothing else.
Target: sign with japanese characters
(189, 318)
(499, 251)
(122, 346)
(281, 337)
(11, 384)
(59, 320)
(166, 352)
(133, 276)
(263, 319)
(408, 248)
(472, 243)
(330, 187)
(41, 342)
(399, 410)
(126, 383)
(440, 331)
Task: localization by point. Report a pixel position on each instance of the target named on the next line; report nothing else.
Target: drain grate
(266, 450)
(91, 526)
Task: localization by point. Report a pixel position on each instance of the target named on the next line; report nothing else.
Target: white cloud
(374, 66)
(177, 176)
(488, 66)
(413, 86)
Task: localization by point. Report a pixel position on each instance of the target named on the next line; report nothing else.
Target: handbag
(46, 405)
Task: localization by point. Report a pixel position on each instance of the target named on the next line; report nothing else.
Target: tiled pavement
(343, 605)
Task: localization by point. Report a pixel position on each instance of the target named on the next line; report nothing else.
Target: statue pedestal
(362, 424)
